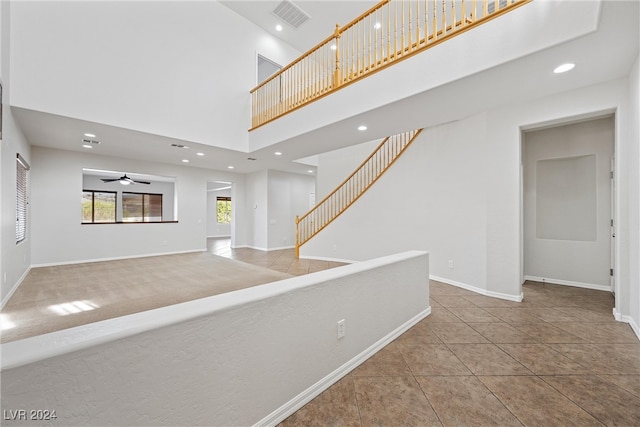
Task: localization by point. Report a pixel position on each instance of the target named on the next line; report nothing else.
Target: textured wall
(232, 359)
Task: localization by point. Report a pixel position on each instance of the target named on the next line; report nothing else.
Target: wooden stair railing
(389, 32)
(369, 171)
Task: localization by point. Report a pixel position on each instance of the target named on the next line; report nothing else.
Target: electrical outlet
(451, 263)
(341, 329)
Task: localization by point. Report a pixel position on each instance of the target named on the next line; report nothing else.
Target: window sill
(129, 222)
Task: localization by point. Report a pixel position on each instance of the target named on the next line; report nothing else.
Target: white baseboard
(258, 248)
(15, 288)
(569, 283)
(509, 297)
(319, 258)
(83, 261)
(307, 395)
(627, 319)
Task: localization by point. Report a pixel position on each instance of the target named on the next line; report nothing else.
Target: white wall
(181, 69)
(273, 199)
(257, 209)
(167, 189)
(457, 194)
(568, 240)
(634, 197)
(14, 259)
(59, 237)
(341, 163)
(236, 359)
(423, 202)
(533, 27)
(288, 196)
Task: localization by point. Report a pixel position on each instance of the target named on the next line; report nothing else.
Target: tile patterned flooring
(556, 359)
(283, 260)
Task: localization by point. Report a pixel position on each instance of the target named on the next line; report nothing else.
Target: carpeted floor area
(60, 297)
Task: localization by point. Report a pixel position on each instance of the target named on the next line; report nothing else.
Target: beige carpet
(61, 297)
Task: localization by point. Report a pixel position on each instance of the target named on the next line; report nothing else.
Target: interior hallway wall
(15, 259)
(59, 237)
(567, 203)
(288, 196)
(457, 194)
(634, 197)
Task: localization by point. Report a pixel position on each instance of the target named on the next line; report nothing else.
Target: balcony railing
(388, 32)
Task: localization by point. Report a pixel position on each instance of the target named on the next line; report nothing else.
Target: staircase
(346, 194)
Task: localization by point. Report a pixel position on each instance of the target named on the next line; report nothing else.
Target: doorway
(220, 212)
(568, 200)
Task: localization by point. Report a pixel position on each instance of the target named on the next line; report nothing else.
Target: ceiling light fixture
(362, 127)
(564, 68)
(199, 154)
(333, 47)
(278, 27)
(124, 182)
(185, 160)
(310, 171)
(89, 135)
(377, 25)
(229, 167)
(277, 153)
(87, 146)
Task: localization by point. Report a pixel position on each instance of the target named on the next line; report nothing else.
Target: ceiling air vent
(90, 141)
(291, 14)
(179, 146)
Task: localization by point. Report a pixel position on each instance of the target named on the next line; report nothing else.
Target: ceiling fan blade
(141, 182)
(109, 180)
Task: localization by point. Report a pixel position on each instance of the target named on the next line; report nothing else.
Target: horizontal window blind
(22, 169)
(141, 207)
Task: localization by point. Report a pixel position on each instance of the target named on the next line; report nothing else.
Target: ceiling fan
(124, 180)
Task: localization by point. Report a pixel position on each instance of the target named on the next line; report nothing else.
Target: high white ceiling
(603, 55)
(324, 15)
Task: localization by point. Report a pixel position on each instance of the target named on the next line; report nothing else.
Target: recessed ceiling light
(362, 127)
(229, 167)
(278, 27)
(377, 25)
(87, 146)
(564, 68)
(333, 47)
(277, 153)
(199, 154)
(90, 135)
(310, 171)
(185, 160)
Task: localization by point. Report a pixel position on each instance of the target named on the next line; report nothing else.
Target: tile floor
(283, 260)
(556, 359)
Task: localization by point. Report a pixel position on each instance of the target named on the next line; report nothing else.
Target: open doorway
(568, 201)
(220, 210)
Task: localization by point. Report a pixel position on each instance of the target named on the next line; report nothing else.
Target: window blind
(22, 169)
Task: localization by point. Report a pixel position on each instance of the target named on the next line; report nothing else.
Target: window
(223, 206)
(98, 206)
(141, 207)
(22, 169)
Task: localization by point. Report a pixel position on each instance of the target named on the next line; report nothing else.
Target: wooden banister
(354, 186)
(388, 32)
